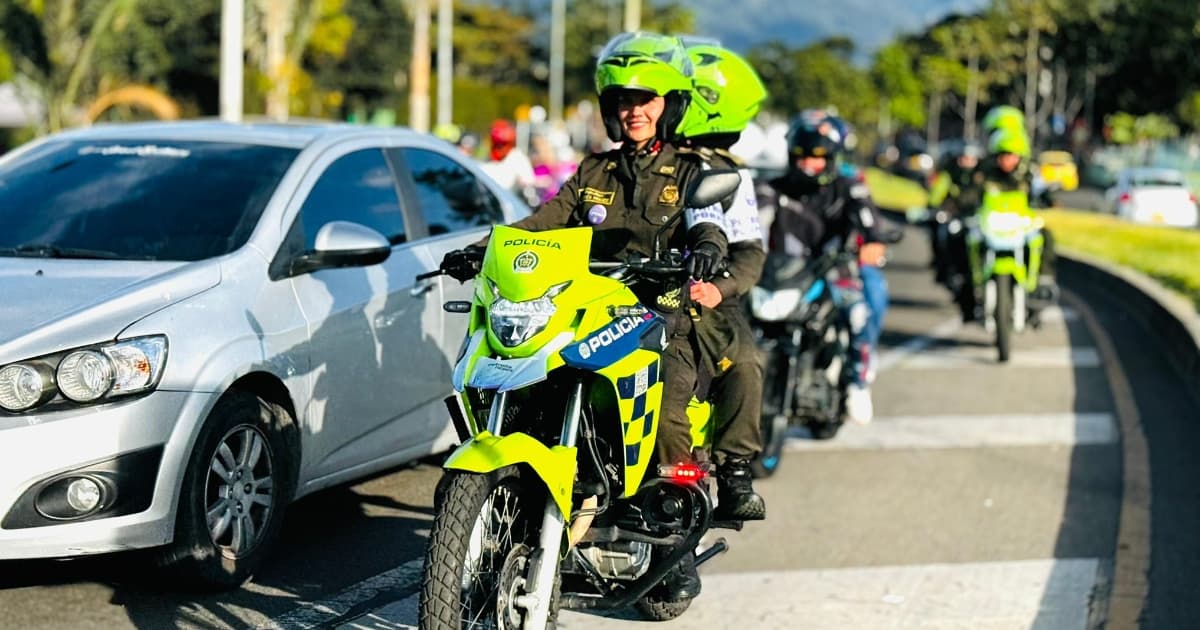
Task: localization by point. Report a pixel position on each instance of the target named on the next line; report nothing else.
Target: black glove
(463, 264)
(703, 261)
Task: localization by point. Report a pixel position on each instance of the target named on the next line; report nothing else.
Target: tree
(898, 85)
(54, 43)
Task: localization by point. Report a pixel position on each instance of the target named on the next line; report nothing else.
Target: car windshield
(1160, 178)
(136, 199)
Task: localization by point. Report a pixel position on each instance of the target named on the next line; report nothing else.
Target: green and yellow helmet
(1009, 140)
(1003, 117)
(726, 91)
(649, 62)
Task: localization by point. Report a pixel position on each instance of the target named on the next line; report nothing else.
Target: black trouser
(673, 443)
(737, 394)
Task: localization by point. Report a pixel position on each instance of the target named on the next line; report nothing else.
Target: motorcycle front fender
(555, 466)
(1008, 266)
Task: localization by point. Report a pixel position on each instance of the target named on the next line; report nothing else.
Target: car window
(1165, 178)
(358, 187)
(137, 199)
(450, 197)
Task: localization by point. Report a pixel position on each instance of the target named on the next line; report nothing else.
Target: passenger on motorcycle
(1007, 168)
(727, 96)
(816, 209)
(626, 194)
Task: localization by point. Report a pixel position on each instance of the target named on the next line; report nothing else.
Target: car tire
(250, 441)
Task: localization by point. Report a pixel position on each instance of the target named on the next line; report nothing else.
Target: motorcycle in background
(799, 316)
(1004, 251)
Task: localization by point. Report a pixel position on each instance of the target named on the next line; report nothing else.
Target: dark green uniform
(736, 393)
(639, 193)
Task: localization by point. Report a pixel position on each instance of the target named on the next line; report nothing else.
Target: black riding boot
(683, 581)
(736, 498)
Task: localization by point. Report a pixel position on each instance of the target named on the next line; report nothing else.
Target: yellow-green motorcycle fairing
(1005, 217)
(554, 465)
(583, 333)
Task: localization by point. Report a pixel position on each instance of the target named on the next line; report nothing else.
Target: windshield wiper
(54, 251)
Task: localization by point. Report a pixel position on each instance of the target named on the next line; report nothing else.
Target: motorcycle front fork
(989, 306)
(544, 567)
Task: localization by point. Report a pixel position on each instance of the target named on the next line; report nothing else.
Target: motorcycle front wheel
(479, 552)
(1004, 316)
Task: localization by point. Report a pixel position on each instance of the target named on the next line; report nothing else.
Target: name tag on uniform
(592, 195)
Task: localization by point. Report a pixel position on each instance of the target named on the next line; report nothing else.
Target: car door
(455, 208)
(373, 358)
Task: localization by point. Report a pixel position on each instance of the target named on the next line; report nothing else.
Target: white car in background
(1155, 196)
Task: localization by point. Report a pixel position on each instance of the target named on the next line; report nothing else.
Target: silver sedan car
(202, 322)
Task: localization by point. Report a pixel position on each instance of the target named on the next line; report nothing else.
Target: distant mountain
(740, 24)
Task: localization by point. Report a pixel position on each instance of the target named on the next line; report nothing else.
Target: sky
(870, 23)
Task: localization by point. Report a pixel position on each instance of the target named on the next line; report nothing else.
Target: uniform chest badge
(670, 195)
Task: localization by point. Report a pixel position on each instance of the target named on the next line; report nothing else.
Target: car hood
(53, 305)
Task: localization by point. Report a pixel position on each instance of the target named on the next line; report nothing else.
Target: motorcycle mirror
(710, 187)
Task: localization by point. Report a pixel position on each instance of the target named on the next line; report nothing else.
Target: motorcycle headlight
(772, 306)
(514, 323)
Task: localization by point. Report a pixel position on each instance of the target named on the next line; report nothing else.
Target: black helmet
(814, 136)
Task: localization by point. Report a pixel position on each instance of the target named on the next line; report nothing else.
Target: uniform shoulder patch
(610, 166)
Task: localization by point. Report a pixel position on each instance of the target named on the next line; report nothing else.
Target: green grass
(895, 193)
(1169, 255)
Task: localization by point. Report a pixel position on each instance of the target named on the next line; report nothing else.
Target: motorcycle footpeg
(734, 525)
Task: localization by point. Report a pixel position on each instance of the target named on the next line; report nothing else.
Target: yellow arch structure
(160, 105)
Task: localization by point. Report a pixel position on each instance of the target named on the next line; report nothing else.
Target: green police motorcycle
(1004, 249)
(550, 500)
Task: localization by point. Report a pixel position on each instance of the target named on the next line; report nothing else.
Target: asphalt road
(1053, 492)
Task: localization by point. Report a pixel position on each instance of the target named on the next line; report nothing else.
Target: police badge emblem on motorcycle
(525, 262)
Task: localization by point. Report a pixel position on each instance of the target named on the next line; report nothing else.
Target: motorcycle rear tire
(653, 608)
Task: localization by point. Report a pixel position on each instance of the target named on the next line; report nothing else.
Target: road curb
(1172, 318)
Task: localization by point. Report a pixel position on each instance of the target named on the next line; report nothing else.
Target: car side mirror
(710, 187)
(342, 244)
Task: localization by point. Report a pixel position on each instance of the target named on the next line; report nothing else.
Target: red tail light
(1126, 197)
(1192, 196)
(683, 473)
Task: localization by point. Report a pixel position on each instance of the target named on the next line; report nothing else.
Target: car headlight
(85, 375)
(25, 386)
(772, 306)
(514, 323)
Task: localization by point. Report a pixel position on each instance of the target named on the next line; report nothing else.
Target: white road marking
(889, 358)
(953, 357)
(969, 431)
(312, 614)
(1043, 594)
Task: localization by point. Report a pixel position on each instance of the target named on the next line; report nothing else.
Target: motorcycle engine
(621, 560)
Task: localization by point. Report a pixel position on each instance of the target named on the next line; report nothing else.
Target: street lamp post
(445, 62)
(232, 14)
(558, 37)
